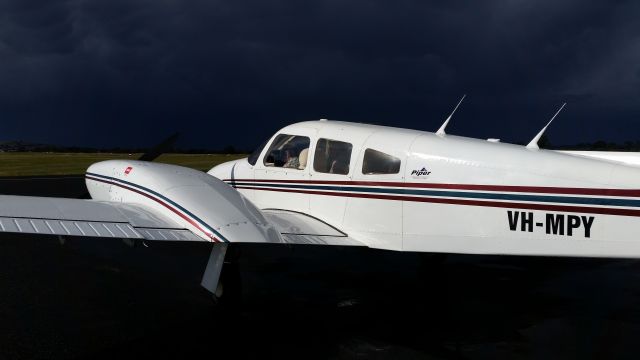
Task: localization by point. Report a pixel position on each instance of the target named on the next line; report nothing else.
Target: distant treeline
(20, 146)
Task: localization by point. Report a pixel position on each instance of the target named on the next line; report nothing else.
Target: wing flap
(74, 217)
(300, 228)
(320, 240)
(68, 227)
(168, 234)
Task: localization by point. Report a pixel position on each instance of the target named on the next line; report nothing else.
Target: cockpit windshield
(253, 158)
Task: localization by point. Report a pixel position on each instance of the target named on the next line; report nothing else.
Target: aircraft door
(333, 159)
(377, 174)
(281, 170)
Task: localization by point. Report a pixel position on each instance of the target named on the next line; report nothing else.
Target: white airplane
(338, 183)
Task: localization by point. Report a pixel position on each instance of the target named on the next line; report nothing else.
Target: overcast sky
(130, 72)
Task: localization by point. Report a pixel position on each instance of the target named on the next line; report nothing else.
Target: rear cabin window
(332, 157)
(376, 162)
(288, 151)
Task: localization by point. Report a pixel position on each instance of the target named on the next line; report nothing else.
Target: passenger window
(377, 162)
(288, 151)
(332, 157)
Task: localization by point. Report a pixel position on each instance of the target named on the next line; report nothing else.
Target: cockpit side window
(332, 157)
(253, 158)
(288, 151)
(376, 162)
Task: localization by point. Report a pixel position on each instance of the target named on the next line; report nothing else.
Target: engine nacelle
(201, 203)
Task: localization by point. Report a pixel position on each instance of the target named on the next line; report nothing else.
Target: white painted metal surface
(625, 157)
(202, 204)
(299, 228)
(462, 195)
(71, 217)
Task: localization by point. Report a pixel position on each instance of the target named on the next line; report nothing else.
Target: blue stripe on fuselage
(456, 194)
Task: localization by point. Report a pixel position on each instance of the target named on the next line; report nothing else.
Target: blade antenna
(534, 142)
(441, 131)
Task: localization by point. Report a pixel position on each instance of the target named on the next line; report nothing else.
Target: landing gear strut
(229, 290)
(222, 276)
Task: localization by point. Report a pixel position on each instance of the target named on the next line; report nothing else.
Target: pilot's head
(290, 151)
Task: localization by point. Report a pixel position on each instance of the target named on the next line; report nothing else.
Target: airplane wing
(625, 157)
(90, 218)
(164, 202)
(74, 217)
(300, 228)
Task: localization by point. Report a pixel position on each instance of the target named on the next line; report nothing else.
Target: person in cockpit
(291, 158)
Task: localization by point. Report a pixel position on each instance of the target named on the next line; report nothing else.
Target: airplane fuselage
(410, 190)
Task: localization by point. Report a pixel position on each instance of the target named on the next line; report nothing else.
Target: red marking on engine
(128, 170)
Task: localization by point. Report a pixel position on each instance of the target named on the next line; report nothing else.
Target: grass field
(35, 164)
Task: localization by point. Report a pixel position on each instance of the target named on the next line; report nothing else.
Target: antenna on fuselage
(441, 131)
(534, 143)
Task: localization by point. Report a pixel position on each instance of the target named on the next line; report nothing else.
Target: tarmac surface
(98, 298)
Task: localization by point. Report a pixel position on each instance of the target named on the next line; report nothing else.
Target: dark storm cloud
(125, 72)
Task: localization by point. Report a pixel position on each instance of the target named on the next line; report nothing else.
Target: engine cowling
(202, 203)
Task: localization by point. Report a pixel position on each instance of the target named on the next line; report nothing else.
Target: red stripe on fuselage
(159, 202)
(503, 188)
(497, 204)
